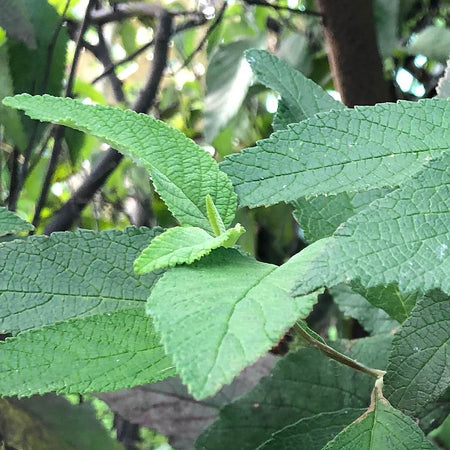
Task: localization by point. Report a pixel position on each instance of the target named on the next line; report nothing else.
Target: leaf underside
(182, 245)
(183, 173)
(239, 308)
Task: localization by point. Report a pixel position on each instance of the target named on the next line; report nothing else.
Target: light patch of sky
(408, 83)
(335, 94)
(293, 3)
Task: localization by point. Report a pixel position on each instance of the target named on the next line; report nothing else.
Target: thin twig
(59, 129)
(305, 12)
(71, 210)
(213, 26)
(337, 356)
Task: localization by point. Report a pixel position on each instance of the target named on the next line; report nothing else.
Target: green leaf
(183, 173)
(227, 80)
(432, 42)
(313, 432)
(50, 422)
(419, 366)
(103, 352)
(302, 98)
(320, 216)
(381, 427)
(401, 238)
(374, 320)
(443, 87)
(389, 298)
(341, 151)
(386, 14)
(31, 70)
(183, 245)
(228, 308)
(49, 279)
(9, 118)
(11, 223)
(15, 21)
(303, 384)
(214, 218)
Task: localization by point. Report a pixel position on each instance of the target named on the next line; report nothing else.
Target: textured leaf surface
(11, 223)
(98, 353)
(419, 366)
(228, 308)
(339, 151)
(303, 384)
(15, 21)
(313, 432)
(51, 422)
(182, 172)
(50, 279)
(167, 407)
(321, 215)
(381, 427)
(374, 320)
(9, 118)
(30, 68)
(183, 245)
(402, 238)
(302, 98)
(227, 80)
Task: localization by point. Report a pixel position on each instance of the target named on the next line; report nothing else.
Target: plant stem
(337, 356)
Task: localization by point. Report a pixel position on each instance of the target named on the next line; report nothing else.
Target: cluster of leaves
(100, 311)
(385, 166)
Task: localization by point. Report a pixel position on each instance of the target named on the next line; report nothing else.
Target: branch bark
(349, 31)
(70, 211)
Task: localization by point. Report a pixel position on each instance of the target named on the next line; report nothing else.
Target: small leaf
(238, 307)
(183, 245)
(374, 320)
(419, 367)
(432, 42)
(51, 422)
(227, 80)
(15, 21)
(11, 223)
(214, 217)
(302, 98)
(183, 173)
(49, 279)
(341, 151)
(98, 353)
(402, 238)
(303, 384)
(381, 427)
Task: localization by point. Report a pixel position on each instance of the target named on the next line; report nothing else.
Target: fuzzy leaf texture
(238, 307)
(183, 245)
(182, 172)
(418, 372)
(301, 97)
(98, 353)
(341, 151)
(11, 223)
(402, 238)
(381, 427)
(48, 279)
